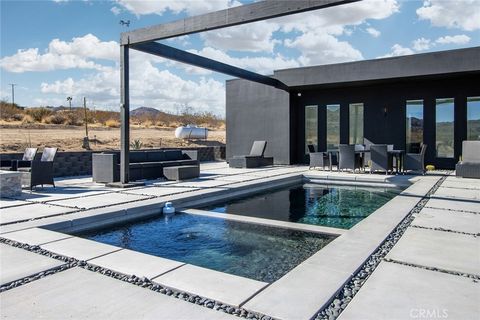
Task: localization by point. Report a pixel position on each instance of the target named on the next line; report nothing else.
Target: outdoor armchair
(317, 159)
(380, 159)
(28, 156)
(469, 167)
(415, 161)
(254, 159)
(41, 171)
(347, 159)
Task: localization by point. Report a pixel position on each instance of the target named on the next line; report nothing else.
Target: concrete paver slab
(438, 249)
(136, 263)
(212, 284)
(35, 236)
(448, 220)
(81, 249)
(443, 192)
(396, 291)
(80, 294)
(33, 211)
(99, 200)
(158, 191)
(5, 203)
(18, 263)
(454, 204)
(202, 183)
(298, 295)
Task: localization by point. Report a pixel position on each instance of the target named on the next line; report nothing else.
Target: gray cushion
(29, 154)
(153, 156)
(471, 151)
(173, 155)
(258, 148)
(48, 154)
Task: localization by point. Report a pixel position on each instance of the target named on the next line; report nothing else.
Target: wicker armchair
(469, 167)
(41, 172)
(415, 161)
(347, 158)
(380, 159)
(317, 159)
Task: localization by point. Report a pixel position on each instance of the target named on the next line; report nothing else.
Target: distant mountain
(145, 112)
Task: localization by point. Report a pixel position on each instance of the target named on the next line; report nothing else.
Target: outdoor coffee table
(181, 172)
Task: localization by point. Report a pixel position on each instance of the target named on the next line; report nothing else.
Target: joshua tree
(69, 99)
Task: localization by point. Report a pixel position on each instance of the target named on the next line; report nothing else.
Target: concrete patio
(433, 268)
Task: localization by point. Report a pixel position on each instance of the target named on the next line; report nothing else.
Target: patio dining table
(398, 154)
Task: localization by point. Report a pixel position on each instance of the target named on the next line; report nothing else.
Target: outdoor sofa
(469, 167)
(11, 164)
(143, 164)
(255, 159)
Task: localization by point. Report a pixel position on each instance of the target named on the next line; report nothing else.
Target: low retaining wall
(79, 163)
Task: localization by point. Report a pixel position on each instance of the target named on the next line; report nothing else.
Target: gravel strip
(143, 282)
(448, 230)
(346, 294)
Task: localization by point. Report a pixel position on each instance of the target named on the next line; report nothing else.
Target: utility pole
(86, 142)
(13, 93)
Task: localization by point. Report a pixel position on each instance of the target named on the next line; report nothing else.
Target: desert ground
(15, 138)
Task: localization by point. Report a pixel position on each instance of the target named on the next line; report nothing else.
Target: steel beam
(124, 115)
(256, 11)
(171, 53)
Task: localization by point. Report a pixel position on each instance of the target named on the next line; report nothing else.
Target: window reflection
(333, 125)
(444, 127)
(311, 126)
(473, 118)
(414, 125)
(356, 123)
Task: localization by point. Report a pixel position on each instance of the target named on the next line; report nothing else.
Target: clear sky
(55, 49)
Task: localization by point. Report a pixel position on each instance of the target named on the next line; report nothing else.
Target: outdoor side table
(181, 172)
(10, 184)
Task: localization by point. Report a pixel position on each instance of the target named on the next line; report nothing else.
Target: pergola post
(124, 115)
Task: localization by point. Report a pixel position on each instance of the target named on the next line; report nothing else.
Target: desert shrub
(136, 144)
(73, 118)
(56, 118)
(9, 111)
(112, 123)
(27, 119)
(38, 113)
(102, 117)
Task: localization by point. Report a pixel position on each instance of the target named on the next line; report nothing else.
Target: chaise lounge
(254, 159)
(469, 167)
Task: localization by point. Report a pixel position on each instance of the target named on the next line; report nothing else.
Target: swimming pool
(249, 250)
(324, 205)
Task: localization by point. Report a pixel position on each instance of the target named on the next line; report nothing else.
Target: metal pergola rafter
(145, 40)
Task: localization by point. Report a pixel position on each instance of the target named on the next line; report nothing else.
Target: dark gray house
(432, 98)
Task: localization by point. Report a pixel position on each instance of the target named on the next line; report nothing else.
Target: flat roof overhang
(417, 66)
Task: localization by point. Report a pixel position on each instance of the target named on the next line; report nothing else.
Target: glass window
(333, 125)
(414, 125)
(311, 126)
(473, 118)
(356, 123)
(444, 127)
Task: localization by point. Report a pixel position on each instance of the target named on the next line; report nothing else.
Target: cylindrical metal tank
(191, 132)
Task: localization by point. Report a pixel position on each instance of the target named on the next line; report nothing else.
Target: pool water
(331, 206)
(249, 250)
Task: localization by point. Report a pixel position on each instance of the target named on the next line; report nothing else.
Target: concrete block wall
(79, 163)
